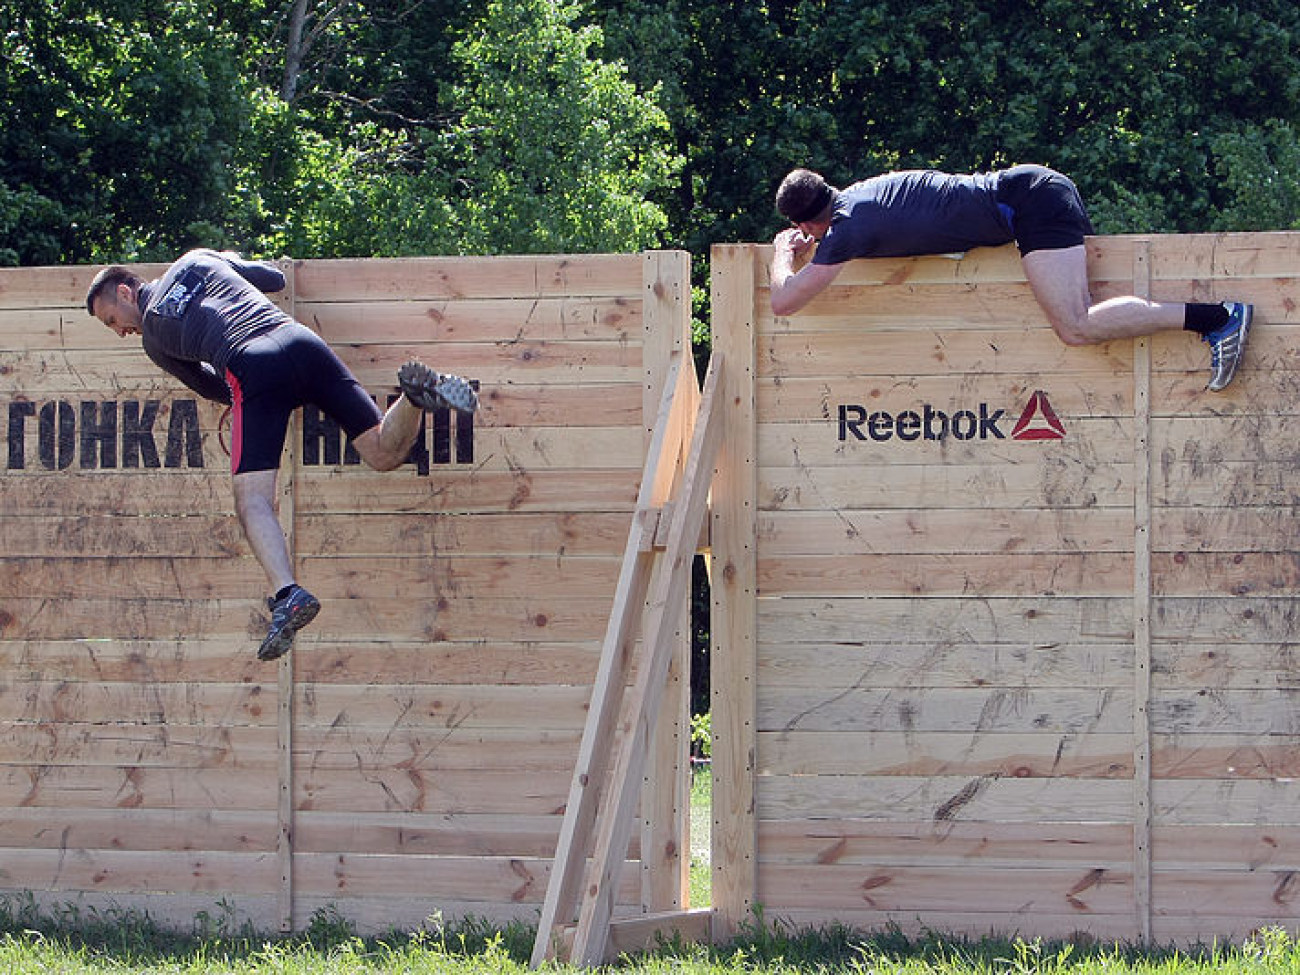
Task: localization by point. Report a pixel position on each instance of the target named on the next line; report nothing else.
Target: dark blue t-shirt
(914, 212)
(203, 310)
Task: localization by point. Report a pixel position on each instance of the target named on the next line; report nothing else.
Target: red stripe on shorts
(236, 421)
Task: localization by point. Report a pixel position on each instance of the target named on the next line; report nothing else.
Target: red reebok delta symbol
(1038, 421)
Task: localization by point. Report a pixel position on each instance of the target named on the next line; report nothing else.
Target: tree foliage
(131, 130)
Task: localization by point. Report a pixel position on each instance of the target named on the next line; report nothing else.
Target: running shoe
(428, 389)
(288, 616)
(1228, 343)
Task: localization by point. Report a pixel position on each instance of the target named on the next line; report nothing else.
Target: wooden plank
(139, 830)
(460, 492)
(112, 536)
(1249, 665)
(476, 661)
(665, 789)
(970, 753)
(1142, 589)
(1224, 620)
(783, 534)
(996, 709)
(946, 844)
(132, 872)
(387, 707)
(1029, 574)
(542, 577)
(1222, 483)
(285, 766)
(650, 932)
(958, 662)
(427, 834)
(132, 787)
(204, 705)
(565, 534)
(943, 799)
(369, 706)
(1066, 483)
(1011, 800)
(1269, 711)
(935, 620)
(243, 621)
(1084, 890)
(505, 880)
(1224, 573)
(904, 352)
(523, 276)
(431, 790)
(1244, 847)
(373, 533)
(615, 318)
(549, 404)
(734, 626)
(49, 373)
(1234, 756)
(164, 577)
(519, 749)
(1236, 530)
(1247, 894)
(171, 745)
(175, 493)
(1196, 442)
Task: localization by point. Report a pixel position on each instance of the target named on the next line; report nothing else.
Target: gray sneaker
(1228, 343)
(429, 390)
(288, 616)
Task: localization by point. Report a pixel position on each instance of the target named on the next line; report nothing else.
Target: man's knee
(1073, 329)
(376, 455)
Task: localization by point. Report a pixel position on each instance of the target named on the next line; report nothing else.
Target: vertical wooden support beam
(665, 793)
(284, 668)
(733, 627)
(1142, 605)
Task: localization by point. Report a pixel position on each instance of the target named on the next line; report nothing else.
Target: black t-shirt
(914, 212)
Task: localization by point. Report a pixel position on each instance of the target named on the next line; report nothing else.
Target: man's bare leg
(255, 506)
(1059, 280)
(292, 607)
(386, 446)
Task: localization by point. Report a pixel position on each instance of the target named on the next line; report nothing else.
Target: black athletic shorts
(1047, 212)
(275, 373)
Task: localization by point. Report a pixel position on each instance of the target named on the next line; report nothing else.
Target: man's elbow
(784, 304)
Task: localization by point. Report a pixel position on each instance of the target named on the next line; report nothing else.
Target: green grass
(701, 884)
(129, 944)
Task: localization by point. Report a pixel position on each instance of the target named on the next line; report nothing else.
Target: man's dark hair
(107, 280)
(803, 195)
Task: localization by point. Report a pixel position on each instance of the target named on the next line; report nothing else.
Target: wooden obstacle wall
(1004, 630)
(412, 756)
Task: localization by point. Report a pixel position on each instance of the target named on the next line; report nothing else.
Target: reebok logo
(1038, 421)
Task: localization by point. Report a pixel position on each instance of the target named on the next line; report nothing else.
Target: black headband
(815, 206)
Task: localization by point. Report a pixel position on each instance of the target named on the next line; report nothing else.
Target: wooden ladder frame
(653, 581)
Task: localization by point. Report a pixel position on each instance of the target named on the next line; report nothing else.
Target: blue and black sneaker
(288, 616)
(1227, 343)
